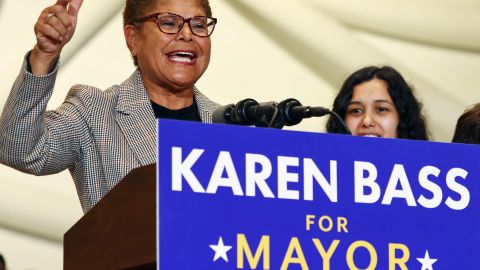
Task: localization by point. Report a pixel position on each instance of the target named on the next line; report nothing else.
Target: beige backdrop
(267, 50)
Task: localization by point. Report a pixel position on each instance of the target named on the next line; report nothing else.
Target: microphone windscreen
(222, 114)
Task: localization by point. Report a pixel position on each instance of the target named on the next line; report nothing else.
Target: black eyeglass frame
(155, 18)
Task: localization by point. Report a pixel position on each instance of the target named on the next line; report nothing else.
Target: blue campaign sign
(235, 197)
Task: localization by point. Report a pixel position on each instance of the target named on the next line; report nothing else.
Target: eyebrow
(375, 101)
(384, 101)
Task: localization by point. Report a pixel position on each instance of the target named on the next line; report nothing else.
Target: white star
(427, 262)
(220, 250)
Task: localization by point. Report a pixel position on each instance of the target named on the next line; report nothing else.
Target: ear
(130, 32)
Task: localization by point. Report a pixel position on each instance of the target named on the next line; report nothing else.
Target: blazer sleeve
(34, 140)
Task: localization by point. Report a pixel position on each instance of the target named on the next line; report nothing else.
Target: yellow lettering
(288, 259)
(309, 221)
(393, 261)
(342, 224)
(326, 255)
(244, 248)
(326, 223)
(329, 223)
(370, 249)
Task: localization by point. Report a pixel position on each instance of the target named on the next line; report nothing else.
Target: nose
(185, 33)
(368, 121)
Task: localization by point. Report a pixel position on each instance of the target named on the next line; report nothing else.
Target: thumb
(74, 7)
(62, 2)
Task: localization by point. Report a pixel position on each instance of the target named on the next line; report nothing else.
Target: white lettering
(399, 176)
(284, 177)
(224, 163)
(369, 181)
(182, 169)
(429, 185)
(257, 179)
(311, 171)
(460, 189)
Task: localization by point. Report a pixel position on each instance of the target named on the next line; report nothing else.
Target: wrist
(40, 62)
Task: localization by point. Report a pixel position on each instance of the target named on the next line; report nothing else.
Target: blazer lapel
(205, 106)
(136, 119)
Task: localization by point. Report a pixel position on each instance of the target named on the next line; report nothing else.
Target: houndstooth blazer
(98, 135)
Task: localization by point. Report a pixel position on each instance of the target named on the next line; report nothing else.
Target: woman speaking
(98, 135)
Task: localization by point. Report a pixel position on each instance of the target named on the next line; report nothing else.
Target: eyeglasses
(170, 23)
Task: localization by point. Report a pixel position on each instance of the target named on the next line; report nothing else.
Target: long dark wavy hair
(412, 123)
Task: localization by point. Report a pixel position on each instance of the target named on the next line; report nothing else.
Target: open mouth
(182, 57)
(372, 135)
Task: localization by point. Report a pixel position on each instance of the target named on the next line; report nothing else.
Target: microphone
(245, 112)
(223, 114)
(293, 112)
(289, 112)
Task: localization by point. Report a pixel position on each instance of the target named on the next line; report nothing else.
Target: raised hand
(54, 28)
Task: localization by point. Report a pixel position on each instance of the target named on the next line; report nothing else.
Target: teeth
(371, 135)
(185, 54)
(181, 59)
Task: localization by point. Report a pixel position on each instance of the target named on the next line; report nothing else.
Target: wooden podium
(119, 232)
